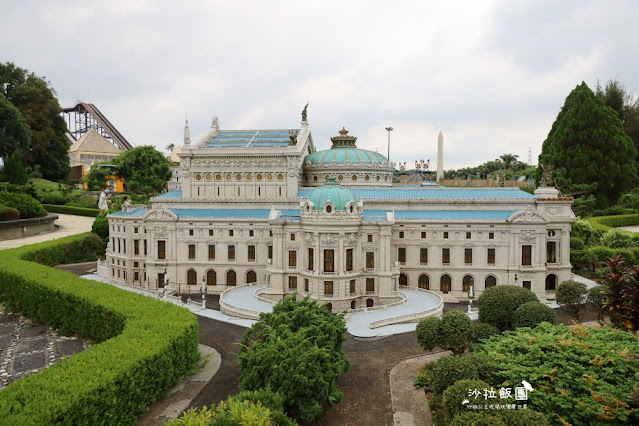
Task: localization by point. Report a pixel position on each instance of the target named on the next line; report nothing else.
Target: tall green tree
(14, 169)
(14, 130)
(36, 101)
(589, 150)
(144, 169)
(615, 95)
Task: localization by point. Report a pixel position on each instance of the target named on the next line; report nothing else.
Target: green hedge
(78, 211)
(144, 346)
(605, 223)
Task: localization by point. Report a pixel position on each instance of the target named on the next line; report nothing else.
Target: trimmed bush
(447, 370)
(54, 197)
(572, 298)
(427, 331)
(531, 314)
(451, 332)
(78, 211)
(617, 239)
(525, 417)
(86, 249)
(480, 331)
(8, 213)
(457, 392)
(143, 346)
(498, 304)
(605, 223)
(27, 206)
(596, 298)
(577, 243)
(101, 227)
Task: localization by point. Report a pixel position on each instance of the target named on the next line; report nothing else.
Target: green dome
(333, 192)
(344, 150)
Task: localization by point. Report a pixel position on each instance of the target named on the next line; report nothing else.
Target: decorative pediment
(160, 214)
(528, 216)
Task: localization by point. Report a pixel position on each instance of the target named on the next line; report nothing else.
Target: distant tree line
(508, 164)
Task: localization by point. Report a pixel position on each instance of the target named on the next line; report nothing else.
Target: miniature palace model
(263, 206)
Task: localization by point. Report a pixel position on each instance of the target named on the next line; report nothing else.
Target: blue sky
(491, 75)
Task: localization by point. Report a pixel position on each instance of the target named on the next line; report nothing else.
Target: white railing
(402, 301)
(258, 295)
(233, 310)
(438, 310)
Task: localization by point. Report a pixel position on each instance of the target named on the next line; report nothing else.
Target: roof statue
(304, 112)
(546, 175)
(215, 123)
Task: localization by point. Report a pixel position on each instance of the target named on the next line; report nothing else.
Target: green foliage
(144, 169)
(96, 177)
(55, 198)
(629, 200)
(78, 211)
(439, 375)
(525, 417)
(297, 351)
(479, 418)
(37, 103)
(497, 304)
(143, 346)
(8, 213)
(25, 204)
(584, 206)
(428, 333)
(531, 314)
(262, 407)
(588, 132)
(580, 375)
(15, 134)
(584, 230)
(100, 227)
(457, 392)
(13, 171)
(596, 298)
(481, 331)
(85, 249)
(617, 238)
(577, 243)
(572, 298)
(451, 332)
(605, 223)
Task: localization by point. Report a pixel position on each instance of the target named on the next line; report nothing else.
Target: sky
(490, 75)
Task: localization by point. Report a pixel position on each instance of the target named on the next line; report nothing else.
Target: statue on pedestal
(304, 114)
(546, 176)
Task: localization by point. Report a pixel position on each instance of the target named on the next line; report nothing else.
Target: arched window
(191, 277)
(353, 304)
(403, 280)
(490, 281)
(329, 306)
(445, 283)
(251, 277)
(369, 303)
(551, 282)
(423, 282)
(231, 277)
(211, 277)
(467, 282)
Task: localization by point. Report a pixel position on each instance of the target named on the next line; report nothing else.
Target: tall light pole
(389, 129)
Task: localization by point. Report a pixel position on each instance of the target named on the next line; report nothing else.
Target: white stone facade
(244, 214)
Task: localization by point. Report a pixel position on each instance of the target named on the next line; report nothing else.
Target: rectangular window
(306, 285)
(423, 255)
(251, 233)
(161, 249)
(352, 286)
(210, 232)
(445, 234)
(423, 234)
(491, 235)
(292, 283)
(401, 255)
(401, 234)
(468, 256)
(292, 259)
(551, 252)
(191, 251)
(370, 285)
(311, 260)
(123, 245)
(160, 282)
(136, 276)
(370, 238)
(468, 235)
(329, 263)
(491, 256)
(136, 247)
(527, 284)
(446, 256)
(230, 232)
(211, 251)
(270, 252)
(349, 259)
(526, 255)
(190, 232)
(328, 288)
(251, 253)
(370, 260)
(145, 247)
(292, 237)
(135, 230)
(231, 252)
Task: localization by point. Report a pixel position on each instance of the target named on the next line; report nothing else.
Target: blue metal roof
(451, 215)
(132, 213)
(252, 138)
(171, 194)
(435, 194)
(233, 213)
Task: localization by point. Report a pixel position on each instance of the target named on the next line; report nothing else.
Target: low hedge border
(78, 211)
(606, 223)
(144, 346)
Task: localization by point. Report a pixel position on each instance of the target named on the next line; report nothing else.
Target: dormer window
(329, 209)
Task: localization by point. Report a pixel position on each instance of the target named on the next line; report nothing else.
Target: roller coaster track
(88, 116)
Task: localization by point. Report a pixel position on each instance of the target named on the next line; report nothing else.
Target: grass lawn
(42, 184)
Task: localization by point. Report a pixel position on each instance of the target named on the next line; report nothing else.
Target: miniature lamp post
(471, 294)
(203, 292)
(166, 284)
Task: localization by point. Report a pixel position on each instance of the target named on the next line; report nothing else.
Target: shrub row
(605, 223)
(144, 346)
(78, 211)
(597, 256)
